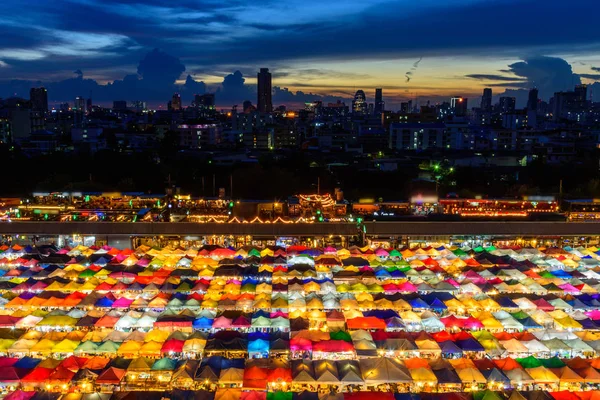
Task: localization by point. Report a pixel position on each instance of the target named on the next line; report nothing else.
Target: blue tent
(438, 305)
(258, 335)
(104, 302)
(397, 274)
(449, 347)
(418, 303)
(394, 323)
(202, 323)
(27, 362)
(505, 302)
(381, 314)
(529, 323)
(496, 375)
(470, 345)
(258, 346)
(238, 363)
(447, 376)
(261, 313)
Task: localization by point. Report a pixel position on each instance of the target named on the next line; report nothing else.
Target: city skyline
(91, 46)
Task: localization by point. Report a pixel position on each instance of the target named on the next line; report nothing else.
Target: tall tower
(39, 99)
(532, 100)
(486, 100)
(265, 102)
(359, 104)
(379, 103)
(176, 102)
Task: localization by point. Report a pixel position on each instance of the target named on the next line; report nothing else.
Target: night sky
(430, 49)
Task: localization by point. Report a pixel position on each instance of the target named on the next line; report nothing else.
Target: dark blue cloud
(492, 77)
(48, 40)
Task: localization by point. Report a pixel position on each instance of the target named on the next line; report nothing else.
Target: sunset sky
(327, 48)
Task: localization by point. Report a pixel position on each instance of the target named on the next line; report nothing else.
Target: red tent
(369, 396)
(19, 395)
(7, 362)
(507, 364)
(564, 395)
(253, 395)
(333, 346)
(111, 376)
(366, 323)
(38, 374)
(73, 363)
(172, 345)
(280, 375)
(589, 395)
(442, 336)
(61, 375)
(11, 374)
(7, 320)
(255, 378)
(452, 322)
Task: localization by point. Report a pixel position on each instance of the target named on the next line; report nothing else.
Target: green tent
(553, 362)
(459, 252)
(87, 347)
(88, 273)
(340, 335)
(520, 315)
(254, 252)
(279, 396)
(395, 253)
(529, 362)
(487, 395)
(164, 364)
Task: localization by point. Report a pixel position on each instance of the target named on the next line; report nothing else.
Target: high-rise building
(205, 101)
(570, 105)
(248, 107)
(379, 103)
(359, 104)
(265, 101)
(176, 102)
(458, 106)
(80, 104)
(532, 100)
(507, 104)
(138, 106)
(486, 100)
(119, 105)
(39, 99)
(581, 93)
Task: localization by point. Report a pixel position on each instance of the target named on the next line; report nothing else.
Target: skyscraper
(80, 104)
(205, 101)
(265, 102)
(532, 101)
(581, 93)
(176, 102)
(359, 104)
(486, 100)
(458, 106)
(532, 106)
(39, 99)
(379, 103)
(507, 104)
